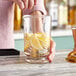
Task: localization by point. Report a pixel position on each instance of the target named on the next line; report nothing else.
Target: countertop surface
(16, 66)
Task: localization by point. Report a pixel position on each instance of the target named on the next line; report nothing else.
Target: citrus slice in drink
(27, 40)
(34, 53)
(35, 43)
(27, 45)
(27, 36)
(44, 40)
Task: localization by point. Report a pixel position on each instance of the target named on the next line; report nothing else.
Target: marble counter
(16, 66)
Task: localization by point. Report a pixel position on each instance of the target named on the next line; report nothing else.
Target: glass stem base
(41, 60)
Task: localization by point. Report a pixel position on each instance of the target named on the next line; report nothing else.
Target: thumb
(52, 51)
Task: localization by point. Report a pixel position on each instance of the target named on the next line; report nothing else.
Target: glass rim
(42, 16)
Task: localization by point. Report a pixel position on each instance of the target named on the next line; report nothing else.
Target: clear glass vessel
(37, 32)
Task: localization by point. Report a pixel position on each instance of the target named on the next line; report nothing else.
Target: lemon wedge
(35, 43)
(44, 40)
(27, 45)
(27, 36)
(27, 41)
(38, 41)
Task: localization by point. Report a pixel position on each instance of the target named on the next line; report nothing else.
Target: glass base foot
(36, 60)
(72, 57)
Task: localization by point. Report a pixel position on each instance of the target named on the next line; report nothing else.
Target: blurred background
(63, 14)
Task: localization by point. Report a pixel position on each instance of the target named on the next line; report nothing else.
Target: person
(33, 7)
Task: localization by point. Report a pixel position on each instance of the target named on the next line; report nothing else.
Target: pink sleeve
(39, 6)
(6, 24)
